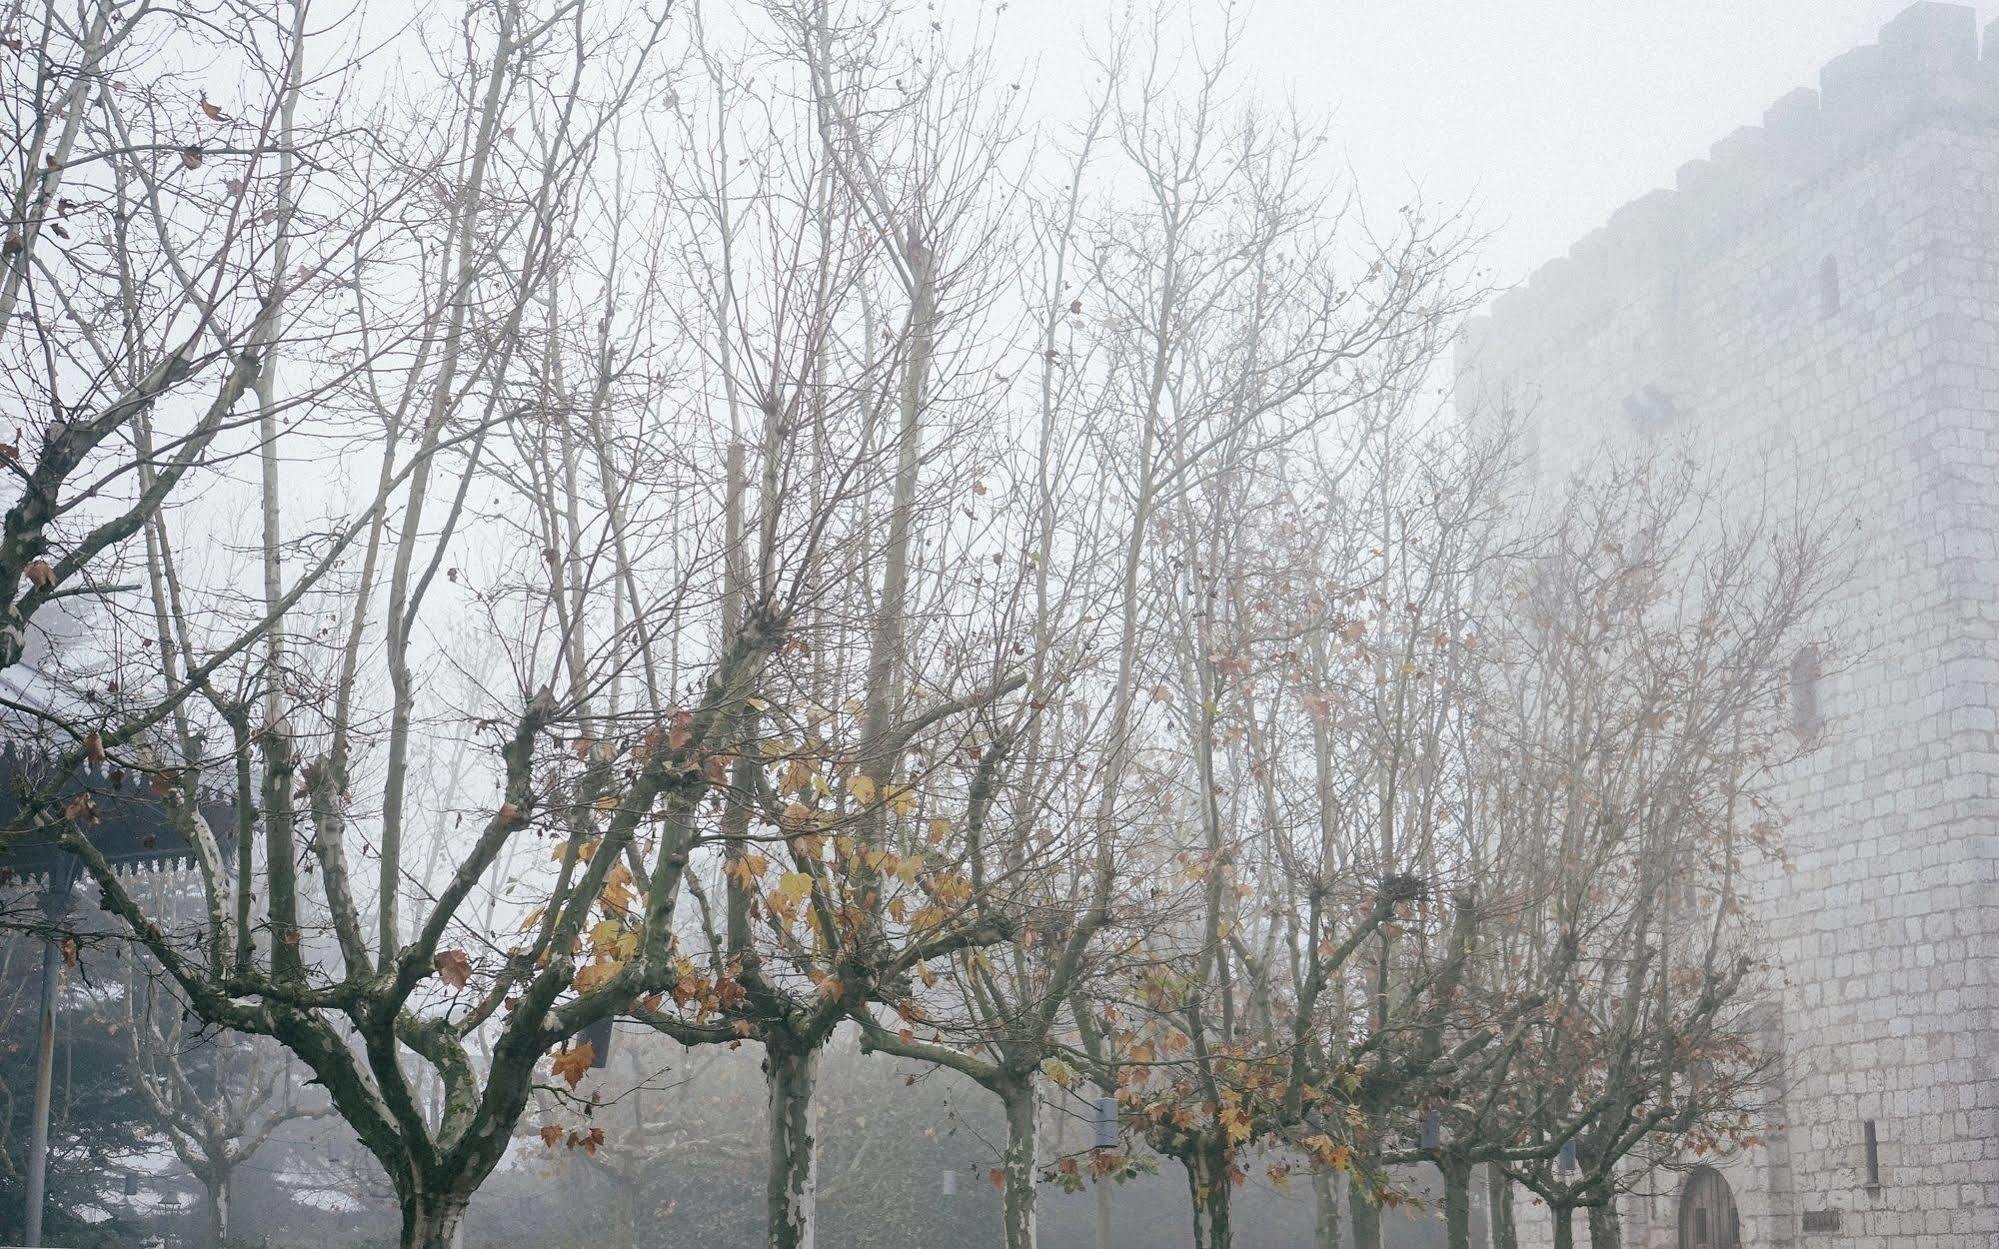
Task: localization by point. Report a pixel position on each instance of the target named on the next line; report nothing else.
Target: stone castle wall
(1815, 309)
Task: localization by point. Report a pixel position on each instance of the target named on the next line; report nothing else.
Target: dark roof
(133, 828)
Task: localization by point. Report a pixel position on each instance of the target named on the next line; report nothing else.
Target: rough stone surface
(1817, 307)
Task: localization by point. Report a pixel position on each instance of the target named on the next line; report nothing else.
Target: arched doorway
(1707, 1212)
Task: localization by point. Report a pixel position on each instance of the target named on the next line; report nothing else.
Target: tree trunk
(1457, 1202)
(1499, 1208)
(1017, 1167)
(1207, 1168)
(1606, 1229)
(1363, 1214)
(218, 1209)
(1325, 1212)
(432, 1222)
(790, 1191)
(1565, 1226)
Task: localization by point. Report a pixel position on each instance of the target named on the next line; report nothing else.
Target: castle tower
(1816, 306)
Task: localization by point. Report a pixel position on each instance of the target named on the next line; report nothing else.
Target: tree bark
(1325, 1212)
(1606, 1229)
(1565, 1226)
(790, 1191)
(1207, 1170)
(1457, 1202)
(218, 1209)
(1364, 1215)
(1017, 1167)
(432, 1221)
(1499, 1208)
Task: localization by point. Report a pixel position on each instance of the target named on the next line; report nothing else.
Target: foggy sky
(1547, 114)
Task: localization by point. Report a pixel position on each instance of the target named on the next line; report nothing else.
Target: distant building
(1817, 306)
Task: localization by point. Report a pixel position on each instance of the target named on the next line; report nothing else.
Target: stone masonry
(1815, 307)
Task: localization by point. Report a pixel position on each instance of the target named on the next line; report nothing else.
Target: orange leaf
(551, 1135)
(40, 575)
(573, 1062)
(93, 747)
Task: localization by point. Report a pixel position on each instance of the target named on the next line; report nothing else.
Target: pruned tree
(1631, 772)
(216, 1098)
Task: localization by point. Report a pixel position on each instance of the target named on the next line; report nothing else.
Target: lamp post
(55, 903)
(1105, 1126)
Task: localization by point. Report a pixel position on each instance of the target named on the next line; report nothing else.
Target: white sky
(1548, 114)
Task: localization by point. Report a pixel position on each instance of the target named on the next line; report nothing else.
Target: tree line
(734, 521)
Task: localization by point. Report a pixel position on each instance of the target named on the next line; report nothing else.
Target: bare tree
(217, 1097)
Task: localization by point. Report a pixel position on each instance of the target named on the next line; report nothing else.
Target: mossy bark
(791, 1185)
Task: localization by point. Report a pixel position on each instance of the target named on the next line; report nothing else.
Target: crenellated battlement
(1926, 64)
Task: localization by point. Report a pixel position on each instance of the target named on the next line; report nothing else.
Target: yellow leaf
(863, 790)
(1236, 1121)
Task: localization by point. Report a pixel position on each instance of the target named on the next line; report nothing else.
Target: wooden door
(1707, 1213)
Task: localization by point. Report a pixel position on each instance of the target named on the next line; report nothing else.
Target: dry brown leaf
(572, 1063)
(454, 967)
